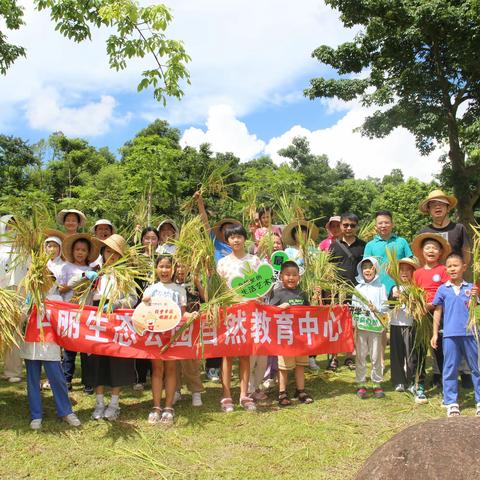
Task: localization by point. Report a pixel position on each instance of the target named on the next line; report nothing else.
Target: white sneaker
(154, 416)
(111, 413)
(72, 420)
(36, 424)
(312, 364)
(98, 412)
(138, 387)
(197, 399)
(14, 379)
(400, 387)
(177, 397)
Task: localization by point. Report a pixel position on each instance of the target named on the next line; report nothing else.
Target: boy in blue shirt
(453, 299)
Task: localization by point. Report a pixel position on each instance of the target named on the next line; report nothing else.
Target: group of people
(435, 261)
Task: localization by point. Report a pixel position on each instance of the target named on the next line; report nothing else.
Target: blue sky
(250, 64)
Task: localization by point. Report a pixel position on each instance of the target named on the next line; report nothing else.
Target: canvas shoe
(111, 413)
(36, 424)
(362, 393)
(197, 399)
(72, 420)
(98, 412)
(378, 392)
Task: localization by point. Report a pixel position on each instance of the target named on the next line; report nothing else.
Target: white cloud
(45, 112)
(367, 157)
(225, 134)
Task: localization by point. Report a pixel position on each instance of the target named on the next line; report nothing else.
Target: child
(167, 231)
(431, 249)
(228, 268)
(297, 235)
(47, 354)
(404, 359)
(265, 219)
(71, 220)
(370, 302)
(79, 250)
(102, 229)
(452, 300)
(103, 370)
(289, 294)
(190, 369)
(166, 288)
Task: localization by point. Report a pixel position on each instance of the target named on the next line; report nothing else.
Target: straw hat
(71, 239)
(218, 226)
(52, 235)
(409, 261)
(169, 221)
(438, 196)
(417, 245)
(287, 236)
(63, 213)
(103, 221)
(116, 242)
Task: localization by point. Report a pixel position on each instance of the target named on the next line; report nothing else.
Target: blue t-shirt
(455, 309)
(221, 248)
(377, 247)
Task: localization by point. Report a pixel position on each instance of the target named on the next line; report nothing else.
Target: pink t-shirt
(261, 232)
(325, 244)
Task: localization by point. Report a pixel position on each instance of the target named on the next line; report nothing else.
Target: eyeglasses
(349, 225)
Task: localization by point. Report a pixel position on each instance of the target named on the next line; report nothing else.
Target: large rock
(447, 449)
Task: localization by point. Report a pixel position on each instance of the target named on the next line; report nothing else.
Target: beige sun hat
(116, 242)
(103, 221)
(409, 261)
(71, 239)
(417, 245)
(63, 213)
(169, 221)
(287, 236)
(439, 196)
(218, 226)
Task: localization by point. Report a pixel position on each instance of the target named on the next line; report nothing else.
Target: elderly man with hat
(438, 205)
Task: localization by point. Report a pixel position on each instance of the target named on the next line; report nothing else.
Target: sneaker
(213, 374)
(72, 420)
(378, 392)
(312, 364)
(466, 380)
(46, 385)
(412, 389)
(332, 364)
(177, 397)
(98, 412)
(400, 387)
(14, 379)
(362, 393)
(111, 413)
(154, 416)
(139, 387)
(88, 390)
(197, 399)
(36, 424)
(420, 396)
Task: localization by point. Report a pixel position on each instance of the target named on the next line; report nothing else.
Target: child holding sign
(368, 304)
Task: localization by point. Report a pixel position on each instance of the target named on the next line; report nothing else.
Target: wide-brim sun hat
(287, 236)
(409, 261)
(53, 235)
(169, 221)
(116, 242)
(71, 239)
(63, 213)
(439, 196)
(217, 228)
(418, 241)
(335, 218)
(103, 221)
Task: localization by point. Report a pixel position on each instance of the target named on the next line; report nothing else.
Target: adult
(347, 252)
(439, 205)
(385, 238)
(333, 233)
(167, 232)
(71, 220)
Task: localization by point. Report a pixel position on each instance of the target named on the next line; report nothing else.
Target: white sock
(100, 399)
(114, 401)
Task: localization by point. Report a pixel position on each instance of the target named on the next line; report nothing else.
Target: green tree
(138, 32)
(418, 61)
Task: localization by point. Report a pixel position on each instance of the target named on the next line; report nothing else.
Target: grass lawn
(329, 439)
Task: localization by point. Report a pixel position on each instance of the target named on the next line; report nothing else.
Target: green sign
(278, 258)
(254, 284)
(368, 323)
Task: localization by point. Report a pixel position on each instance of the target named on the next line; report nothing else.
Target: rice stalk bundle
(265, 246)
(10, 318)
(289, 208)
(473, 311)
(367, 231)
(249, 201)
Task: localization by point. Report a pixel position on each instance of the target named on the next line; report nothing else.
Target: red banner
(246, 329)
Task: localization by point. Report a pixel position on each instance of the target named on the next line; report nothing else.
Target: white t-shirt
(171, 291)
(70, 270)
(230, 266)
(399, 316)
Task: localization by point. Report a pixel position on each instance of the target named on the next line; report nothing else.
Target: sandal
(477, 413)
(283, 399)
(248, 404)
(154, 416)
(303, 397)
(350, 363)
(227, 404)
(453, 410)
(167, 417)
